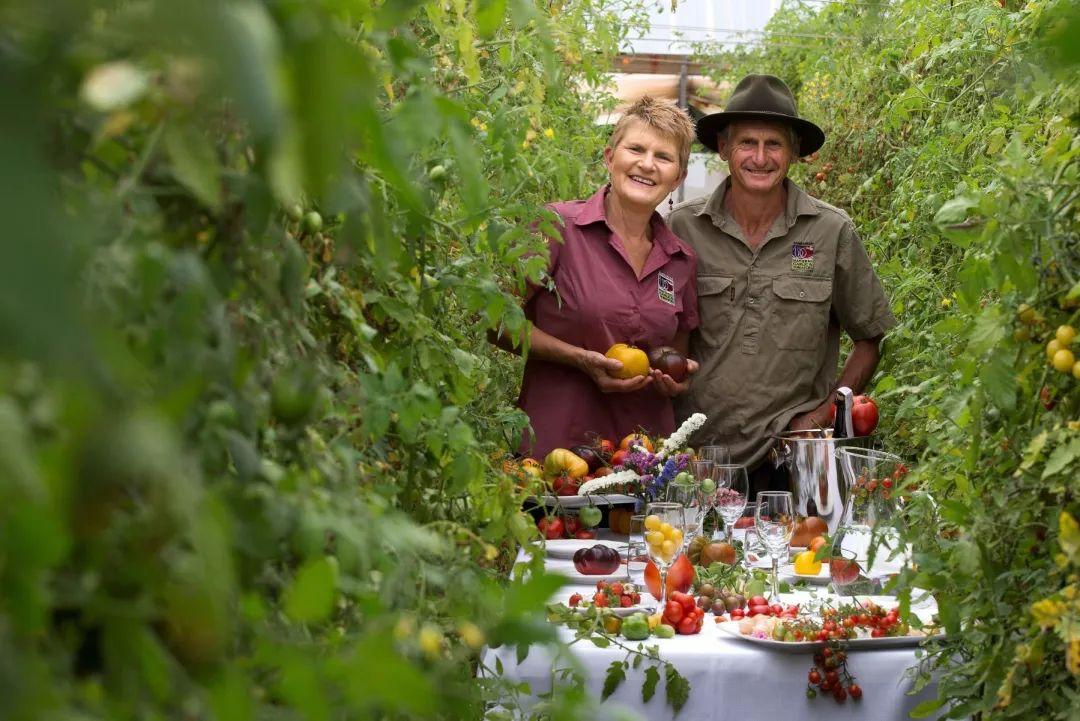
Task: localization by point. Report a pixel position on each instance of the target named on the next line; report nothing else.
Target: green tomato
(708, 485)
(635, 627)
(664, 631)
(312, 222)
(589, 516)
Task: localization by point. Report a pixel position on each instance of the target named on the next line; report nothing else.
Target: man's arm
(858, 369)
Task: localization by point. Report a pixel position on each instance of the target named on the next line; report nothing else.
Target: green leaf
(648, 689)
(1061, 458)
(988, 331)
(616, 674)
(489, 16)
(926, 708)
(999, 380)
(378, 677)
(311, 596)
(676, 688)
(194, 163)
(1033, 451)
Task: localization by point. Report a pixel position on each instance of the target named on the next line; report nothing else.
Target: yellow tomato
(1026, 314)
(806, 565)
(654, 538)
(1065, 334)
(1052, 348)
(676, 537)
(1076, 370)
(666, 529)
(652, 523)
(1063, 360)
(634, 361)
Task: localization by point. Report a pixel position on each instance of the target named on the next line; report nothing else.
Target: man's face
(758, 155)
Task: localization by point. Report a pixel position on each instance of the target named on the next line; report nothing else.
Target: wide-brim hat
(761, 97)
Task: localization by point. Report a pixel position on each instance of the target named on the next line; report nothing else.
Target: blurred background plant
(953, 144)
(251, 430)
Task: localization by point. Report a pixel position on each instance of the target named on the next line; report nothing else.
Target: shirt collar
(593, 212)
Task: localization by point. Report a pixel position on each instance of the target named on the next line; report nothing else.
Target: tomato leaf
(648, 689)
(615, 675)
(310, 598)
(676, 687)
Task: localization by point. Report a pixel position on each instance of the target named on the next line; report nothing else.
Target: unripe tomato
(1063, 360)
(312, 222)
(1026, 314)
(1065, 334)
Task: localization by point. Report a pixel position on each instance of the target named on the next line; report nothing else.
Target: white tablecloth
(729, 678)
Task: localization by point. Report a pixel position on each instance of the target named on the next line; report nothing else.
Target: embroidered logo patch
(802, 256)
(665, 288)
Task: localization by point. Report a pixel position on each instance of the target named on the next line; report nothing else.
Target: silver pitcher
(817, 484)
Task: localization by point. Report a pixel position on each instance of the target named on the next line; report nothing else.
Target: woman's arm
(544, 346)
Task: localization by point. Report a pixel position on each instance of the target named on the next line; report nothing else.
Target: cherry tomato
(855, 690)
(574, 600)
(600, 599)
(776, 609)
(814, 677)
(625, 601)
(839, 694)
(737, 614)
(617, 588)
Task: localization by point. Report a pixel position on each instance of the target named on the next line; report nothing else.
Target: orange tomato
(679, 578)
(639, 439)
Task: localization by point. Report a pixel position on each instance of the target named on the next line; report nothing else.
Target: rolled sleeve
(859, 301)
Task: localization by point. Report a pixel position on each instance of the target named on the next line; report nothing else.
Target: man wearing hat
(780, 274)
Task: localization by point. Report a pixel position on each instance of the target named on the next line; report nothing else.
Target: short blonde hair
(663, 116)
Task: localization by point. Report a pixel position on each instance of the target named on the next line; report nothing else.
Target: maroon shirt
(600, 303)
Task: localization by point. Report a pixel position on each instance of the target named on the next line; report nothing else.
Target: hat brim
(811, 137)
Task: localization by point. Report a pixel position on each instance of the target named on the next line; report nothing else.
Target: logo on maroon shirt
(665, 288)
(802, 256)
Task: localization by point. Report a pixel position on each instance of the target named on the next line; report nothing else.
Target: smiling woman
(619, 275)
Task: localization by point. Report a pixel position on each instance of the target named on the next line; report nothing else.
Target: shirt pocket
(715, 308)
(800, 316)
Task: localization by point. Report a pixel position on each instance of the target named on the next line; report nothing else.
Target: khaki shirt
(769, 335)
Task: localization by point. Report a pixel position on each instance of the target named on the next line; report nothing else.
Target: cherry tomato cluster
(760, 605)
(830, 675)
(610, 595)
(843, 623)
(866, 488)
(554, 527)
(681, 612)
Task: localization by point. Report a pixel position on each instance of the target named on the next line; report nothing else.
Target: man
(779, 275)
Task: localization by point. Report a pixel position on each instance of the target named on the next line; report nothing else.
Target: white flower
(679, 438)
(613, 479)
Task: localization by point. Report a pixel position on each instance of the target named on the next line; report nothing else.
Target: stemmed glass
(729, 500)
(774, 520)
(664, 524)
(716, 454)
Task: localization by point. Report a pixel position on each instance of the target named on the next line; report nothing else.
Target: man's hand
(598, 366)
(812, 420)
(668, 386)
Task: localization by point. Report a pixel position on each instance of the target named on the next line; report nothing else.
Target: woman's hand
(599, 367)
(668, 385)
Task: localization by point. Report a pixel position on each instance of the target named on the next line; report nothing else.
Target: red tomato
(776, 609)
(619, 456)
(755, 610)
(606, 448)
(626, 601)
(673, 611)
(585, 534)
(685, 600)
(572, 524)
(864, 416)
(551, 526)
(574, 600)
(617, 588)
(688, 626)
(757, 601)
(737, 614)
(680, 577)
(600, 599)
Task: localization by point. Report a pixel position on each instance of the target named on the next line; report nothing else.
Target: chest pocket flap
(712, 284)
(813, 290)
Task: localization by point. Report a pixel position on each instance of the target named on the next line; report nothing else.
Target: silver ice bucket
(817, 483)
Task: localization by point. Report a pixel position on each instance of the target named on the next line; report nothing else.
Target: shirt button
(802, 294)
(751, 301)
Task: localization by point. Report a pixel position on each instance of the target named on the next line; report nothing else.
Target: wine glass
(729, 500)
(716, 454)
(664, 524)
(693, 496)
(774, 519)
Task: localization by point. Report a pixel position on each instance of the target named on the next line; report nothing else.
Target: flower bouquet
(646, 474)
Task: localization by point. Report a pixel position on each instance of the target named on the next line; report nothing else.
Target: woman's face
(643, 166)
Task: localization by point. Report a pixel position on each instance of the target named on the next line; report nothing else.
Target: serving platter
(914, 638)
(596, 499)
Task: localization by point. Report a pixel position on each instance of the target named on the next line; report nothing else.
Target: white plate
(620, 611)
(821, 577)
(567, 547)
(595, 499)
(585, 579)
(731, 628)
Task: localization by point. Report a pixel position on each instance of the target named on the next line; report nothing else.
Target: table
(729, 678)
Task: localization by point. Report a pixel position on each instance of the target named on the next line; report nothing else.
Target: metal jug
(817, 484)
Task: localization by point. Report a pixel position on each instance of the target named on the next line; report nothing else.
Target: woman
(621, 276)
